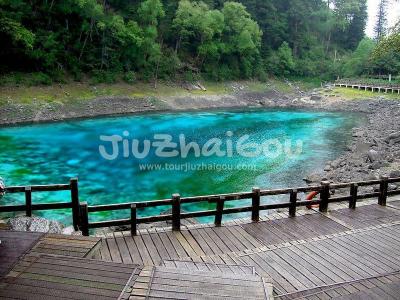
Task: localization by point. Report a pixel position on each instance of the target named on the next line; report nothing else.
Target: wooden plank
(123, 249)
(104, 251)
(144, 254)
(172, 253)
(114, 251)
(182, 241)
(160, 246)
(177, 246)
(193, 243)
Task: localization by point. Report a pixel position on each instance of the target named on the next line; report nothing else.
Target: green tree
(281, 62)
(381, 20)
(359, 61)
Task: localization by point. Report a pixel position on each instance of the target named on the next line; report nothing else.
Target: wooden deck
(369, 87)
(341, 254)
(13, 246)
(298, 253)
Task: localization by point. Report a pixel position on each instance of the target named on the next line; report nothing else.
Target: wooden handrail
(177, 215)
(29, 206)
(80, 211)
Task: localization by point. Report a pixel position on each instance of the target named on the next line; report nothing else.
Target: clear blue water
(55, 152)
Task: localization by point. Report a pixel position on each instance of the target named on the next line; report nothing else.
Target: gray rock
(316, 97)
(36, 224)
(373, 155)
(394, 141)
(394, 174)
(393, 136)
(55, 227)
(39, 224)
(313, 178)
(69, 230)
(373, 177)
(335, 164)
(392, 187)
(19, 223)
(376, 165)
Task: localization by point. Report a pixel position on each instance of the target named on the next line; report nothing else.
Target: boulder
(373, 156)
(39, 224)
(394, 141)
(69, 230)
(55, 227)
(316, 97)
(35, 224)
(314, 178)
(335, 164)
(19, 223)
(393, 136)
(394, 174)
(377, 165)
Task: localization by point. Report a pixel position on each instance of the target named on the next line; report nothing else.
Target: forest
(109, 40)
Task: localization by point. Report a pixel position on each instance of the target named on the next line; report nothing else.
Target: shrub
(129, 77)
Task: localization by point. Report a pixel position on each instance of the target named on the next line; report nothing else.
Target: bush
(129, 77)
(101, 76)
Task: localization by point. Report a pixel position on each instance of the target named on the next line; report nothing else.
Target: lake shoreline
(14, 114)
(372, 139)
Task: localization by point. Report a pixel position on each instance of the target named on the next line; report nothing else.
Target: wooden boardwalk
(301, 253)
(341, 254)
(369, 87)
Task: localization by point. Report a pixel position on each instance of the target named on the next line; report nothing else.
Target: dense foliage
(171, 39)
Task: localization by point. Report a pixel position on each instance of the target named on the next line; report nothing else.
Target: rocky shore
(375, 147)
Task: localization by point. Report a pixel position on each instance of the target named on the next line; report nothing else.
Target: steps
(194, 280)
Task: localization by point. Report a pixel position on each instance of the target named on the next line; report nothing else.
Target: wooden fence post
(133, 220)
(219, 211)
(28, 201)
(383, 189)
(75, 202)
(84, 223)
(353, 195)
(255, 201)
(323, 206)
(176, 212)
(293, 200)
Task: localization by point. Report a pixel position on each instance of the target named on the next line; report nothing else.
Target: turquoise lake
(55, 152)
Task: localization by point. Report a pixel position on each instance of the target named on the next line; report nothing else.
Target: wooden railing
(29, 206)
(256, 207)
(81, 210)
